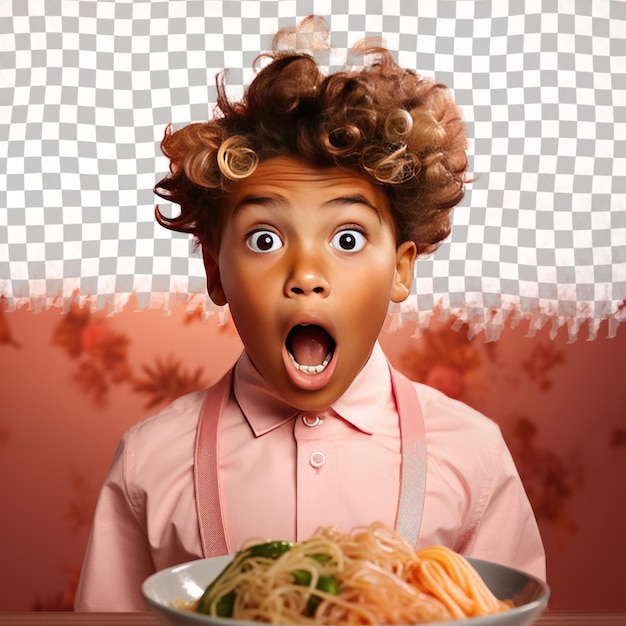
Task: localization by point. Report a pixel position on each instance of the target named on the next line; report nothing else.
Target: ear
(406, 254)
(213, 277)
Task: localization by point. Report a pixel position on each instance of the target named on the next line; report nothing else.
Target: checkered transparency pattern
(87, 88)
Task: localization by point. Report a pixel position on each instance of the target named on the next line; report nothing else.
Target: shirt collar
(366, 399)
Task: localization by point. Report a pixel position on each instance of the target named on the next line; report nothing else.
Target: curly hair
(388, 124)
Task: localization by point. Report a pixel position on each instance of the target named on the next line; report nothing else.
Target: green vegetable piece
(270, 550)
(225, 604)
(204, 604)
(302, 577)
(321, 558)
(312, 604)
(329, 584)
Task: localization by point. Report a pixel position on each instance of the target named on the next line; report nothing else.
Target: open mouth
(310, 348)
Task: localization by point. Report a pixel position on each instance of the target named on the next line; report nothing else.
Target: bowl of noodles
(369, 576)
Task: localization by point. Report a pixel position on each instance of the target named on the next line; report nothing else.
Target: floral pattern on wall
(444, 357)
(100, 353)
(543, 359)
(549, 479)
(102, 361)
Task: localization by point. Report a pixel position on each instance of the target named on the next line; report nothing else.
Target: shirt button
(317, 459)
(311, 420)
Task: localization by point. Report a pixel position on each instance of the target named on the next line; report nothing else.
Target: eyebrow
(355, 199)
(268, 201)
(278, 201)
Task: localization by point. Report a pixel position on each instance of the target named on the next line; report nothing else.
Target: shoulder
(176, 420)
(462, 443)
(163, 441)
(446, 416)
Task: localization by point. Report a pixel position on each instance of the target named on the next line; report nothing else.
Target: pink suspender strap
(413, 471)
(205, 465)
(206, 479)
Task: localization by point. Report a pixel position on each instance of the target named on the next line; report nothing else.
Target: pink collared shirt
(284, 473)
(298, 471)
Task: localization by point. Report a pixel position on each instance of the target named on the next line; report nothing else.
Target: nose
(306, 276)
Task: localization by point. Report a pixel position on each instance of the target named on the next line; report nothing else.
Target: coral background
(73, 382)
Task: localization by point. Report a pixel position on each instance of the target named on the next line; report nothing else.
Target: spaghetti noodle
(371, 576)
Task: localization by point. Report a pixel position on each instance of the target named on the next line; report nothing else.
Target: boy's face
(308, 263)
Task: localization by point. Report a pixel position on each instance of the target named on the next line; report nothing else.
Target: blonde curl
(235, 160)
(398, 125)
(394, 168)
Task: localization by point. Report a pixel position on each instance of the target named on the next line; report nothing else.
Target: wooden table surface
(550, 618)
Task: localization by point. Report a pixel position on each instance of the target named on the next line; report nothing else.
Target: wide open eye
(349, 240)
(264, 241)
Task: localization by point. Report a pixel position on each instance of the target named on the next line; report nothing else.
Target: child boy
(311, 199)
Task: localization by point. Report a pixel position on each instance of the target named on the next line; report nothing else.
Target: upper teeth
(311, 369)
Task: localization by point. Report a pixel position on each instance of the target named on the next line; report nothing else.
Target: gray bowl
(187, 582)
